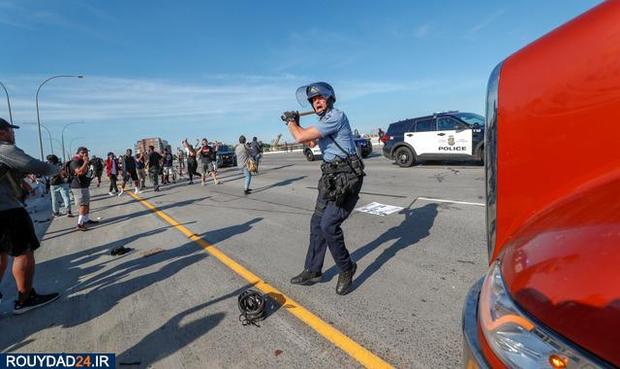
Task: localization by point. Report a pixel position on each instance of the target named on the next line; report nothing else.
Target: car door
(422, 136)
(453, 137)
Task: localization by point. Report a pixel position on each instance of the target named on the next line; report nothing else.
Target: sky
(220, 69)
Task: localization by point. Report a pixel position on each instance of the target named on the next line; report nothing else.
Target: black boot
(345, 281)
(306, 278)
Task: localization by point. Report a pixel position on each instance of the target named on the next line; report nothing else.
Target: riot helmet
(307, 92)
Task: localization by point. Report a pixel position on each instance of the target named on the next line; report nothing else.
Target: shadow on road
(415, 227)
(283, 183)
(173, 336)
(103, 289)
(222, 234)
(129, 216)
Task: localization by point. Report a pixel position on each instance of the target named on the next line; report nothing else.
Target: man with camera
(17, 236)
(339, 186)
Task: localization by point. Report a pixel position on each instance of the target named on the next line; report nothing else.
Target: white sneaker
(122, 192)
(110, 193)
(136, 190)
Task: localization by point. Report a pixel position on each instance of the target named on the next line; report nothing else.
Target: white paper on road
(382, 210)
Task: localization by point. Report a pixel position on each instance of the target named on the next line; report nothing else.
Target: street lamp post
(8, 102)
(37, 102)
(49, 134)
(62, 137)
(50, 137)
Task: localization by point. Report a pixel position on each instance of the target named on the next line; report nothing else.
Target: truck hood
(563, 268)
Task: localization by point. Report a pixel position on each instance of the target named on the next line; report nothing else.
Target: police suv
(442, 136)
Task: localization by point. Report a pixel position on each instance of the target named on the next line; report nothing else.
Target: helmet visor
(302, 97)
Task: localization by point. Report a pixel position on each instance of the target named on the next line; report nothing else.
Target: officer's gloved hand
(290, 116)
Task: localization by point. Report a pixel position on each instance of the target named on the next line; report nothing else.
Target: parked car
(551, 296)
(441, 136)
(225, 156)
(363, 145)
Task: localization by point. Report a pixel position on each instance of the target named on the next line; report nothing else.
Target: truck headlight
(515, 339)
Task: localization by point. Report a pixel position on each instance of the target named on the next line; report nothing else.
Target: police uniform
(330, 212)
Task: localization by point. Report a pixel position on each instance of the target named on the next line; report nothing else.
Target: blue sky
(221, 69)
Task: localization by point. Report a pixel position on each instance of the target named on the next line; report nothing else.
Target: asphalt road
(178, 308)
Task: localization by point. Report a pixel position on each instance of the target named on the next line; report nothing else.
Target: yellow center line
(346, 344)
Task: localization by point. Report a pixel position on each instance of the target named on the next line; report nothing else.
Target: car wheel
(365, 154)
(309, 155)
(404, 157)
(481, 156)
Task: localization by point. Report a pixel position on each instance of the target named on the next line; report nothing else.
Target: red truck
(551, 297)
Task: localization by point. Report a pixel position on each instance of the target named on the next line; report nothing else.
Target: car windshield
(224, 148)
(471, 118)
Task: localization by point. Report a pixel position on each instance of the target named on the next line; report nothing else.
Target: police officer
(339, 185)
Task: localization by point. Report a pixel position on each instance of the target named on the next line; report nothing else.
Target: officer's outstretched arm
(303, 135)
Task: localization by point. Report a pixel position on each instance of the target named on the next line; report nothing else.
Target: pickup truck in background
(551, 297)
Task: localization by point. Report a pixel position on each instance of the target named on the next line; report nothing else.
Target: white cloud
(100, 98)
(485, 22)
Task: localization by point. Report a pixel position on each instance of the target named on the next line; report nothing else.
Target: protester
(140, 164)
(208, 158)
(80, 187)
(97, 164)
(256, 152)
(130, 172)
(17, 235)
(168, 160)
(153, 166)
(58, 184)
(241, 150)
(192, 163)
(112, 171)
(181, 161)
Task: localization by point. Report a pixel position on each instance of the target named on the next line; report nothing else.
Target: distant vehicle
(442, 136)
(225, 156)
(364, 148)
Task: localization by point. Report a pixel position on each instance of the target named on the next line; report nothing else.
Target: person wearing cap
(17, 236)
(83, 175)
(339, 186)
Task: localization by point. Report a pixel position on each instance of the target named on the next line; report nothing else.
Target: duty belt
(352, 164)
(336, 166)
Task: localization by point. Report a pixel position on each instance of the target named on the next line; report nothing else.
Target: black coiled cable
(252, 307)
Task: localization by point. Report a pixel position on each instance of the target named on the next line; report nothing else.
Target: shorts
(17, 234)
(81, 196)
(141, 173)
(208, 167)
(168, 171)
(131, 174)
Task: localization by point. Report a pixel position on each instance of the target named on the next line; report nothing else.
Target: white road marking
(452, 201)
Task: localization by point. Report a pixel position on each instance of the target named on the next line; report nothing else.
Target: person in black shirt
(168, 160)
(192, 163)
(130, 172)
(153, 166)
(256, 152)
(80, 166)
(58, 184)
(140, 164)
(97, 164)
(208, 157)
